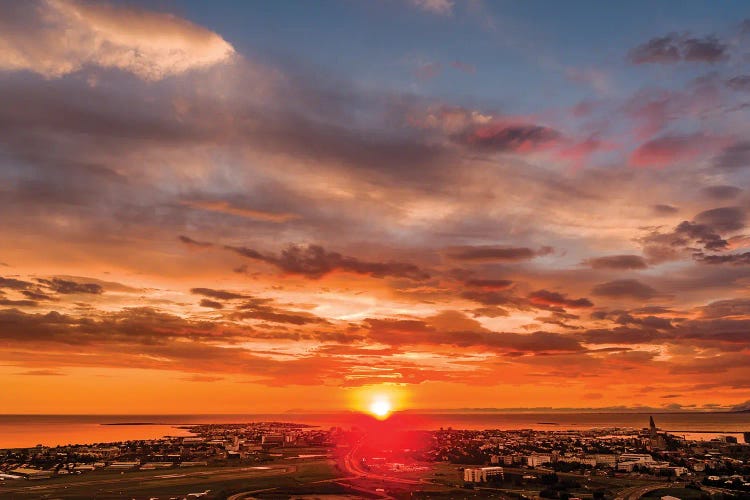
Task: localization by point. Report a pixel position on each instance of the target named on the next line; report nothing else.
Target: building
(482, 474)
(747, 437)
(29, 473)
(627, 461)
(272, 439)
(606, 459)
(536, 459)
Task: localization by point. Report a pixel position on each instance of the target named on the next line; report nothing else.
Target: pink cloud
(669, 149)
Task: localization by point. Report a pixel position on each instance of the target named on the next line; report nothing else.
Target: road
(350, 465)
(637, 492)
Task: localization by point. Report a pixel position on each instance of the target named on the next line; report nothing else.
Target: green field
(683, 493)
(173, 482)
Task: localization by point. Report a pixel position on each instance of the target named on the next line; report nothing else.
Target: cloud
(463, 66)
(734, 157)
(723, 219)
(202, 378)
(428, 71)
(211, 304)
(554, 299)
(314, 262)
(226, 207)
(487, 284)
(15, 284)
(190, 241)
(508, 138)
(17, 303)
(217, 294)
(663, 209)
(439, 7)
(495, 298)
(625, 288)
(41, 373)
(57, 37)
(669, 149)
(722, 192)
(739, 83)
(674, 48)
(617, 262)
(739, 259)
(705, 229)
(726, 308)
(416, 332)
(70, 287)
(497, 253)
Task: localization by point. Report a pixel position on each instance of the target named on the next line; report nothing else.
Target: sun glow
(381, 407)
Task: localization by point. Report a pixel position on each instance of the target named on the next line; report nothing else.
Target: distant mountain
(741, 408)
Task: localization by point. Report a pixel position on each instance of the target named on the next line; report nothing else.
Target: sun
(381, 407)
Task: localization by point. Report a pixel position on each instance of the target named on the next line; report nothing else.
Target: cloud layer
(179, 208)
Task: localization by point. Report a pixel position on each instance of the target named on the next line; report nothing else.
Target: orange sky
(199, 230)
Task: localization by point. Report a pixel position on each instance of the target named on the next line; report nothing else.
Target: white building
(482, 474)
(637, 458)
(606, 459)
(535, 460)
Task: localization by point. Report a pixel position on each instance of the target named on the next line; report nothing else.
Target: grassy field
(683, 493)
(172, 482)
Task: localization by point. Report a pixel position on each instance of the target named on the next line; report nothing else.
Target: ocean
(18, 431)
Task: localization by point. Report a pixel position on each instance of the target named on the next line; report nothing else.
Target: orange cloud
(63, 36)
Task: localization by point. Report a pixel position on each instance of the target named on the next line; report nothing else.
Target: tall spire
(652, 426)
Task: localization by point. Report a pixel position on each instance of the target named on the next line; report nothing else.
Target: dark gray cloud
(734, 157)
(191, 241)
(313, 261)
(622, 335)
(674, 48)
(739, 259)
(663, 209)
(494, 298)
(217, 294)
(66, 287)
(701, 233)
(488, 284)
(627, 288)
(15, 284)
(36, 295)
(617, 262)
(704, 230)
(497, 253)
(17, 303)
(722, 192)
(508, 138)
(415, 332)
(211, 304)
(724, 219)
(555, 299)
(635, 318)
(726, 308)
(739, 83)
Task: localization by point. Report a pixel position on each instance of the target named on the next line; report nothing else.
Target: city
(273, 459)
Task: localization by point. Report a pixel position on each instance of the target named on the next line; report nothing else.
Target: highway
(637, 492)
(351, 466)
